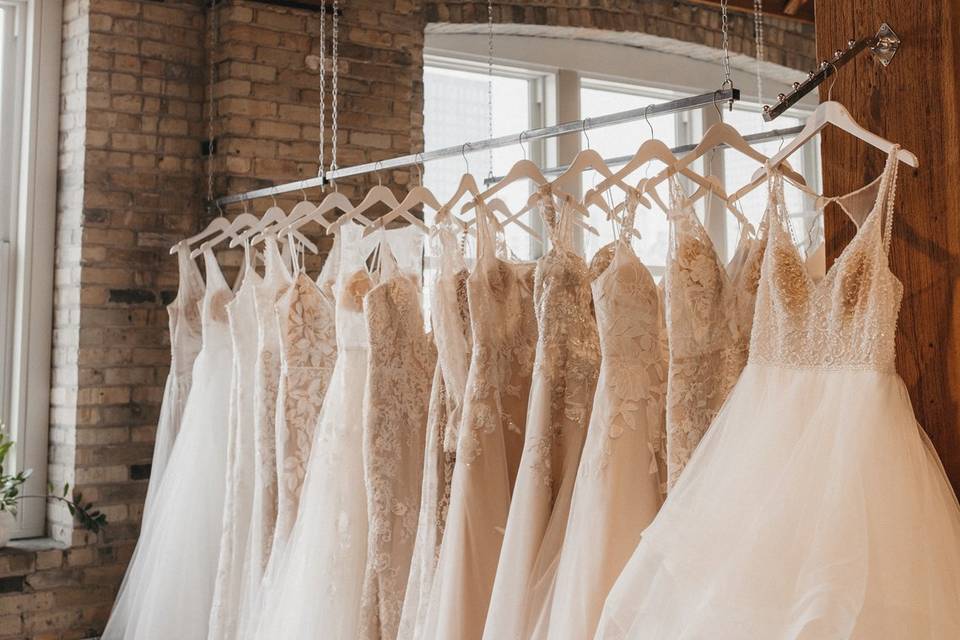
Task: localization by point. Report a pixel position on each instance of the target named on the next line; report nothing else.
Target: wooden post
(916, 102)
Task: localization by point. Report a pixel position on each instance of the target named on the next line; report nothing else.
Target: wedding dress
(238, 503)
(451, 331)
(276, 280)
(316, 588)
(561, 397)
(308, 350)
(185, 343)
(815, 506)
(490, 440)
(400, 364)
(618, 487)
(169, 584)
(709, 310)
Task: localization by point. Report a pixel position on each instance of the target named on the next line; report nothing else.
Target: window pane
(623, 140)
(455, 111)
(738, 170)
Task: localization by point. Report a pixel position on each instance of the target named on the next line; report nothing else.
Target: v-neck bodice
(847, 319)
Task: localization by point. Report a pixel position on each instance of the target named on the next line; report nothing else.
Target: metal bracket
(888, 42)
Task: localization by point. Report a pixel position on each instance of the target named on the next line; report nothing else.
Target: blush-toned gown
(450, 320)
(709, 309)
(558, 413)
(400, 365)
(490, 441)
(815, 507)
(618, 490)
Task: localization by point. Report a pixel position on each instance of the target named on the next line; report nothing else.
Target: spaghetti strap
(888, 191)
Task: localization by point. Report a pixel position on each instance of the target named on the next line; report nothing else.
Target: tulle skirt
(175, 393)
(169, 584)
(313, 590)
(814, 508)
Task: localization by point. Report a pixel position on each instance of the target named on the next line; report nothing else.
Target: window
(544, 80)
(456, 110)
(29, 110)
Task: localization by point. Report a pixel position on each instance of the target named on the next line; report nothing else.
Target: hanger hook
(463, 152)
(303, 192)
(646, 117)
(219, 208)
(583, 130)
(523, 148)
(246, 208)
(715, 105)
(834, 74)
(419, 166)
(376, 170)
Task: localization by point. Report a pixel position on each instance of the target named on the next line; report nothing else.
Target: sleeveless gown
(561, 398)
(175, 561)
(815, 506)
(185, 344)
(316, 588)
(709, 308)
(618, 490)
(238, 503)
(490, 440)
(450, 319)
(400, 365)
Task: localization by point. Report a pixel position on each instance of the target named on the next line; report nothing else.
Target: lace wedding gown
(316, 588)
(490, 442)
(618, 487)
(451, 330)
(709, 310)
(241, 313)
(185, 343)
(169, 584)
(561, 397)
(815, 507)
(400, 365)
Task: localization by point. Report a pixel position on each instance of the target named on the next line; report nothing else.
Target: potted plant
(10, 496)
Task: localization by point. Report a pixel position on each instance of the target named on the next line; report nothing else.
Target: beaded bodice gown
(815, 507)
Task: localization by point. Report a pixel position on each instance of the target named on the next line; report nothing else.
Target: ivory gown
(815, 506)
(490, 439)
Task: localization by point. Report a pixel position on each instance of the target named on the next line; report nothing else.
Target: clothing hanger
(832, 112)
(242, 221)
(419, 195)
(377, 195)
(521, 170)
(256, 233)
(467, 184)
(220, 223)
(334, 201)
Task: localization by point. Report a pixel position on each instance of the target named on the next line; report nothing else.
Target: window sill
(32, 545)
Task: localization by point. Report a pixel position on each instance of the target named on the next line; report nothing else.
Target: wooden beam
(799, 10)
(916, 102)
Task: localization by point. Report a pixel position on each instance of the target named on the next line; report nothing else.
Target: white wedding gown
(315, 589)
(169, 584)
(815, 507)
(185, 343)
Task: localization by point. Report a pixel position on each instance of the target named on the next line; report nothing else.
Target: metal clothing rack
(716, 98)
(883, 46)
(753, 138)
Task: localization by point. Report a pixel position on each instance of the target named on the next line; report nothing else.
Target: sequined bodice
(847, 320)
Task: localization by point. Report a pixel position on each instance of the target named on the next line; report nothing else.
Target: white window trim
(31, 249)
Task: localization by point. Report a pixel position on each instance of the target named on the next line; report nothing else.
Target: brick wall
(132, 182)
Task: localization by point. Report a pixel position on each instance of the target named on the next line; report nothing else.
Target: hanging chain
(490, 83)
(725, 43)
(212, 72)
(335, 90)
(323, 85)
(758, 37)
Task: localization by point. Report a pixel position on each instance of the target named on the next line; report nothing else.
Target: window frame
(26, 311)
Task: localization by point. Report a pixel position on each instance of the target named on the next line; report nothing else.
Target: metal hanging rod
(753, 138)
(883, 46)
(727, 95)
